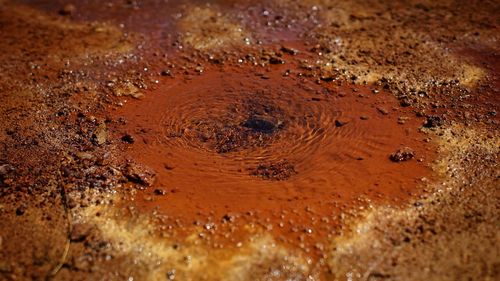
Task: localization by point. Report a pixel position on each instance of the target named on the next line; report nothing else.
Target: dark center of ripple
(260, 124)
(250, 124)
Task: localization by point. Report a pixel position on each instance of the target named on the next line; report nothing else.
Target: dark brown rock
(139, 174)
(341, 122)
(402, 154)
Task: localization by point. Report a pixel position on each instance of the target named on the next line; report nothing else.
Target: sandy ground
(83, 195)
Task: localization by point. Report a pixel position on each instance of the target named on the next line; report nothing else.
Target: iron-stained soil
(249, 140)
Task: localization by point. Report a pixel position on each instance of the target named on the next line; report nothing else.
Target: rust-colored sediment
(217, 143)
(249, 140)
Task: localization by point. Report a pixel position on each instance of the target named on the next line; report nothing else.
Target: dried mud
(268, 140)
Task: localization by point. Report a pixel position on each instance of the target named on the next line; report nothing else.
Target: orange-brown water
(266, 149)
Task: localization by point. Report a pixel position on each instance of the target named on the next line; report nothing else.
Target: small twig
(61, 262)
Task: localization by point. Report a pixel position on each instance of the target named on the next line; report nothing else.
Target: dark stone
(160, 192)
(21, 210)
(290, 51)
(139, 174)
(341, 122)
(327, 78)
(402, 154)
(276, 60)
(433, 121)
(261, 125)
(382, 110)
(228, 218)
(405, 102)
(128, 139)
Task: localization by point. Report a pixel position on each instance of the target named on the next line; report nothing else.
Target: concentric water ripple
(226, 140)
(296, 126)
(248, 127)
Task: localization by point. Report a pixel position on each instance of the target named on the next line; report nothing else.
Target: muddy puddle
(233, 147)
(248, 140)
